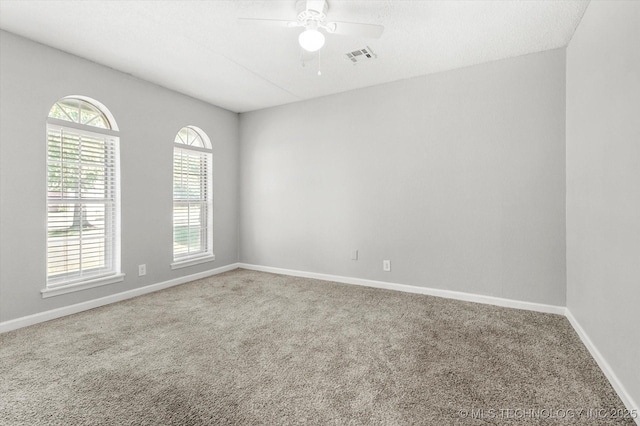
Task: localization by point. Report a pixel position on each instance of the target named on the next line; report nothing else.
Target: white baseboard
(448, 294)
(95, 303)
(627, 400)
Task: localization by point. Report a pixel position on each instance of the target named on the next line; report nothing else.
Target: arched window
(192, 198)
(83, 202)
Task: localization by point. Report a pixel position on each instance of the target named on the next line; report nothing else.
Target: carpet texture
(248, 347)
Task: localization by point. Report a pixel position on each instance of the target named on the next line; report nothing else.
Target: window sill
(83, 285)
(193, 261)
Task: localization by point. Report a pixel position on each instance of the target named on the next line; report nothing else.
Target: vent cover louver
(361, 55)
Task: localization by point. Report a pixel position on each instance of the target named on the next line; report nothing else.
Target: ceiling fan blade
(269, 22)
(354, 29)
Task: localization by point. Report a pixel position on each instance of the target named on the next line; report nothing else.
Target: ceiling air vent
(361, 55)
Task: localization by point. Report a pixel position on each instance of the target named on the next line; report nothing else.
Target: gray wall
(603, 184)
(458, 178)
(32, 78)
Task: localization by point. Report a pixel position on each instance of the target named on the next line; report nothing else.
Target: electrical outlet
(386, 265)
(142, 270)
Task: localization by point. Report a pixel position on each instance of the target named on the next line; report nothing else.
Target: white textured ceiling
(199, 48)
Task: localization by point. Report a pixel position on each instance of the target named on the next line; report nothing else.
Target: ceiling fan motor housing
(311, 10)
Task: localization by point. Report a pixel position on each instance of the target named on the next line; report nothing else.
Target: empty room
(339, 212)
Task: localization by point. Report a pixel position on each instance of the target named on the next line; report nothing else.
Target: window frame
(112, 273)
(206, 152)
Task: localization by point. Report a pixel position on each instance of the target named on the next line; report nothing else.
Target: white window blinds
(192, 206)
(81, 205)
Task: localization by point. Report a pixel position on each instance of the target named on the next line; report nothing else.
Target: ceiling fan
(312, 16)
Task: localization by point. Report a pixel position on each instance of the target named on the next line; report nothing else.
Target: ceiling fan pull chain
(319, 72)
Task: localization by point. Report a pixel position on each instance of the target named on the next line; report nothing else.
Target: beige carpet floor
(247, 347)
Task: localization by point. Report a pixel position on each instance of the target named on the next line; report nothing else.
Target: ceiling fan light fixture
(311, 39)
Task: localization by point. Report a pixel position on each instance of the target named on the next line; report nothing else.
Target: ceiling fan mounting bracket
(311, 11)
